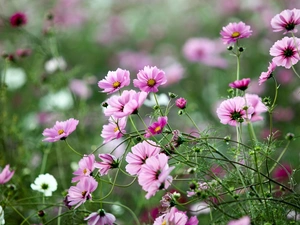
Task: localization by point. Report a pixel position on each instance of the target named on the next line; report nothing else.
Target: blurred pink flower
(86, 167)
(149, 79)
(240, 84)
(114, 129)
(285, 76)
(282, 172)
(282, 114)
(80, 88)
(181, 103)
(101, 218)
(18, 19)
(60, 131)
(258, 106)
(157, 127)
(6, 174)
(174, 73)
(134, 60)
(285, 52)
(114, 81)
(242, 221)
(175, 217)
(23, 52)
(286, 21)
(204, 50)
(264, 76)
(235, 31)
(108, 162)
(140, 152)
(255, 88)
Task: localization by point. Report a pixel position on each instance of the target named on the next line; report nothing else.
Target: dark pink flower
(23, 52)
(235, 31)
(108, 162)
(286, 21)
(140, 152)
(157, 127)
(6, 175)
(101, 218)
(181, 103)
(149, 79)
(282, 172)
(86, 167)
(60, 131)
(240, 84)
(285, 52)
(154, 174)
(78, 194)
(18, 19)
(114, 129)
(258, 106)
(114, 81)
(242, 221)
(264, 76)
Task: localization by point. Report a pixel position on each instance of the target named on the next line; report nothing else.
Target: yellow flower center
(116, 129)
(235, 34)
(151, 82)
(83, 193)
(84, 171)
(164, 223)
(61, 131)
(116, 84)
(157, 129)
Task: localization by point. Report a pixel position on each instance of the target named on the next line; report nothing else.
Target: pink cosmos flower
(285, 52)
(61, 130)
(154, 174)
(108, 162)
(134, 61)
(86, 167)
(235, 31)
(128, 103)
(283, 172)
(258, 106)
(114, 81)
(174, 73)
(286, 21)
(6, 174)
(114, 129)
(18, 19)
(175, 217)
(78, 194)
(157, 127)
(232, 111)
(240, 84)
(242, 221)
(80, 88)
(101, 218)
(140, 152)
(264, 76)
(149, 79)
(181, 103)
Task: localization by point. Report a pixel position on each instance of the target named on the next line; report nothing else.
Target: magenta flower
(283, 172)
(240, 84)
(154, 174)
(101, 218)
(114, 81)
(140, 152)
(128, 103)
(157, 127)
(285, 52)
(264, 76)
(86, 167)
(108, 162)
(6, 174)
(242, 221)
(286, 21)
(258, 106)
(149, 79)
(18, 19)
(232, 111)
(78, 194)
(114, 129)
(235, 31)
(60, 131)
(181, 103)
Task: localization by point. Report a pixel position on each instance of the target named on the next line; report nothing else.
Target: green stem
(44, 162)
(280, 156)
(295, 72)
(190, 118)
(73, 148)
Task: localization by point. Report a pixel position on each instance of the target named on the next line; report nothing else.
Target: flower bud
(241, 49)
(230, 48)
(41, 213)
(104, 104)
(181, 103)
(289, 136)
(172, 95)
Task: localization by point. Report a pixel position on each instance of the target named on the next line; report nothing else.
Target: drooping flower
(86, 167)
(258, 107)
(149, 79)
(114, 129)
(100, 218)
(242, 221)
(61, 130)
(240, 84)
(108, 162)
(181, 103)
(78, 194)
(114, 81)
(235, 31)
(285, 52)
(232, 111)
(264, 76)
(140, 153)
(154, 174)
(18, 19)
(6, 175)
(45, 183)
(157, 127)
(286, 21)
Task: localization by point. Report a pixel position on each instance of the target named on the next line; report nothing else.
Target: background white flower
(2, 221)
(45, 183)
(14, 78)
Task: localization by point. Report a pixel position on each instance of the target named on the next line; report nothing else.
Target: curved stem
(73, 148)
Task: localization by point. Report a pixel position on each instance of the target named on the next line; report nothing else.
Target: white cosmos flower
(44, 183)
(14, 78)
(2, 221)
(162, 99)
(59, 100)
(55, 64)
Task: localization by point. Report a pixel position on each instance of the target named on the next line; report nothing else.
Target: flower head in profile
(45, 183)
(235, 31)
(242, 221)
(157, 127)
(149, 79)
(240, 84)
(108, 162)
(114, 129)
(86, 167)
(18, 19)
(114, 81)
(286, 21)
(6, 175)
(264, 76)
(60, 131)
(100, 218)
(258, 107)
(285, 52)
